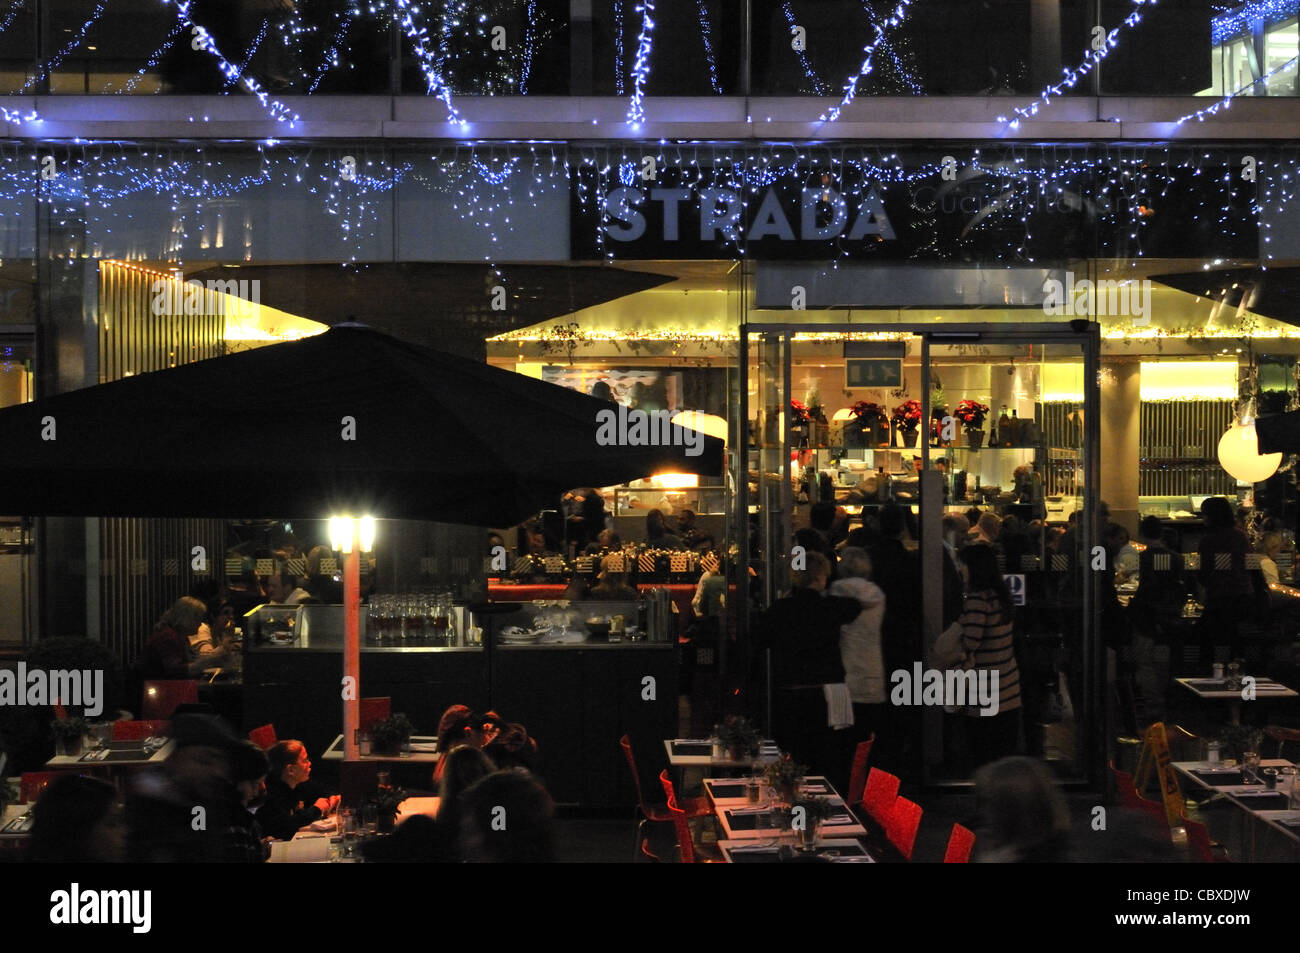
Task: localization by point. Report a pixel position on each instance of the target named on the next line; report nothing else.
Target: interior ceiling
(1270, 292)
(447, 306)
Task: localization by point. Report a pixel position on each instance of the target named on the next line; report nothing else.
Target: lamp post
(351, 537)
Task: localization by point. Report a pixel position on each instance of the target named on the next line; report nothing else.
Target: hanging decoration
(851, 88)
(641, 68)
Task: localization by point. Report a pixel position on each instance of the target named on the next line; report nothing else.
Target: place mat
(783, 853)
(121, 754)
(764, 855)
(749, 821)
(728, 789)
(1208, 684)
(1264, 800)
(691, 749)
(1224, 779)
(19, 825)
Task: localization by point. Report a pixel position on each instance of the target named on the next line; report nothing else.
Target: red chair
(694, 807)
(879, 795)
(162, 696)
(960, 844)
(686, 849)
(373, 710)
(1199, 848)
(32, 783)
(858, 771)
(140, 729)
(264, 737)
(1131, 799)
(902, 824)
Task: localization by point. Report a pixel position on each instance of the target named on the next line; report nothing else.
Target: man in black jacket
(802, 631)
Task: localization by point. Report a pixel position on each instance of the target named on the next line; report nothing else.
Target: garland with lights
(851, 88)
(1226, 101)
(641, 67)
(53, 62)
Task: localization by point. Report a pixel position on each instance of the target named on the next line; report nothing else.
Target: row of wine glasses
(427, 617)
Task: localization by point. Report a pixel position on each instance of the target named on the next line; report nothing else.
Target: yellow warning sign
(1155, 752)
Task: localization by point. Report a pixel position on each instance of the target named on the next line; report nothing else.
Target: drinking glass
(351, 834)
(370, 817)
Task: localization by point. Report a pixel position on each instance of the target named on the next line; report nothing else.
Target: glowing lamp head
(1239, 454)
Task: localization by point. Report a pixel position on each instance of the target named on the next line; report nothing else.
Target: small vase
(909, 437)
(976, 438)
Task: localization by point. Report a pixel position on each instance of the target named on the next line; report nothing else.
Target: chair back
(901, 827)
(858, 770)
(264, 737)
(140, 729)
(1198, 842)
(32, 783)
(373, 710)
(880, 793)
(161, 696)
(960, 844)
(1125, 789)
(682, 827)
(626, 744)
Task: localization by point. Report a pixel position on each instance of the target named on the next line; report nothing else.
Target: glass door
(923, 443)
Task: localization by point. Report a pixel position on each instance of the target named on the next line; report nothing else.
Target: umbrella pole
(352, 647)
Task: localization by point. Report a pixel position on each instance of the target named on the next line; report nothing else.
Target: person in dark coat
(802, 632)
(292, 800)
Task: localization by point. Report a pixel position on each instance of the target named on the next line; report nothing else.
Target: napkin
(839, 705)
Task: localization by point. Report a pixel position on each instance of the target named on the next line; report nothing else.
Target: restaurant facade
(1109, 284)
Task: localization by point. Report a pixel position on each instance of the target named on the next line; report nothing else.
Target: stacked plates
(514, 635)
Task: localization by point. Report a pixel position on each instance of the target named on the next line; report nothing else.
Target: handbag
(948, 651)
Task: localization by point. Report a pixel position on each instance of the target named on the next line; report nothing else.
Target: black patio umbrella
(349, 421)
(1279, 433)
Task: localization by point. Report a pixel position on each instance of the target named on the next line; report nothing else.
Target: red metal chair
(264, 737)
(373, 710)
(879, 795)
(162, 696)
(693, 807)
(1130, 798)
(902, 824)
(140, 729)
(960, 844)
(858, 770)
(32, 783)
(686, 849)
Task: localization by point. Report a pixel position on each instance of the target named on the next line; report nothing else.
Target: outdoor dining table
(114, 755)
(424, 750)
(740, 820)
(1212, 689)
(1260, 804)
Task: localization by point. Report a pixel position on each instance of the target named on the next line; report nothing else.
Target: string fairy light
(641, 67)
(248, 56)
(819, 88)
(53, 62)
(851, 87)
(332, 51)
(433, 77)
(1226, 102)
(707, 37)
(1071, 76)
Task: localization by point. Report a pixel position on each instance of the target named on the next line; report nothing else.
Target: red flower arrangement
(971, 413)
(798, 412)
(865, 408)
(907, 415)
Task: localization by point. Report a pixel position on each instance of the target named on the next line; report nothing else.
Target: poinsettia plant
(907, 415)
(798, 412)
(867, 409)
(971, 413)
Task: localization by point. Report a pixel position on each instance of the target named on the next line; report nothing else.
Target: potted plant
(799, 421)
(938, 411)
(386, 806)
(872, 422)
(783, 776)
(971, 413)
(739, 738)
(807, 814)
(906, 419)
(69, 735)
(388, 735)
(1240, 740)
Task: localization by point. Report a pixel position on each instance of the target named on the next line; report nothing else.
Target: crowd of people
(218, 798)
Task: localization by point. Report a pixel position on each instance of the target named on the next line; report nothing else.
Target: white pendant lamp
(1239, 452)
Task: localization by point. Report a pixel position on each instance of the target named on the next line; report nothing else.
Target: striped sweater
(989, 645)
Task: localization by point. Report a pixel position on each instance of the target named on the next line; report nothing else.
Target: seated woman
(456, 727)
(463, 766)
(508, 743)
(291, 802)
(612, 584)
(181, 645)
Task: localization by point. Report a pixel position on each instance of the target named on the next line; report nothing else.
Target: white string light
(53, 62)
(851, 87)
(1072, 76)
(819, 88)
(419, 38)
(1226, 101)
(641, 68)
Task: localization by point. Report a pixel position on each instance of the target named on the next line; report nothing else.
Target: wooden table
(1216, 689)
(335, 752)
